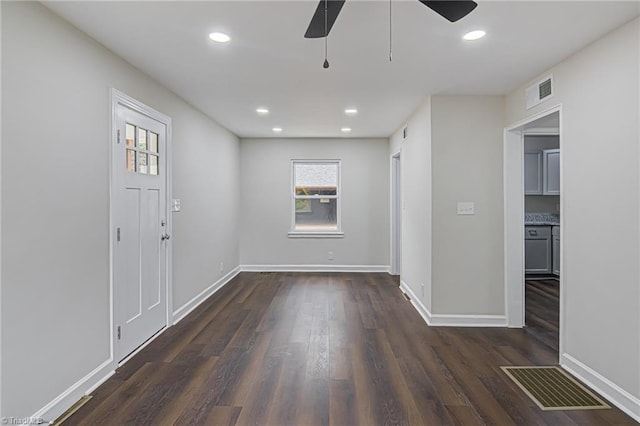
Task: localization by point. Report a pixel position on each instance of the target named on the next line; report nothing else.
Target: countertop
(541, 219)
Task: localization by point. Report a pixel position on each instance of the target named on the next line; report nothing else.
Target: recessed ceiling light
(262, 111)
(219, 37)
(277, 129)
(351, 111)
(474, 35)
(346, 130)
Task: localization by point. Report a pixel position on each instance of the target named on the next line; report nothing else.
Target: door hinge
(118, 135)
(119, 333)
(118, 234)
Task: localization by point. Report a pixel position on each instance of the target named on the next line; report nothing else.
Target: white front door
(140, 247)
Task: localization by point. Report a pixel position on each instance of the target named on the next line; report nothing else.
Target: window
(142, 152)
(316, 198)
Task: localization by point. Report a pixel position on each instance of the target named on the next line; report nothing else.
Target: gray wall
(55, 201)
(599, 91)
(266, 202)
(468, 260)
(415, 268)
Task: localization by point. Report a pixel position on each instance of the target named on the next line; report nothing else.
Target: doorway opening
(396, 216)
(533, 226)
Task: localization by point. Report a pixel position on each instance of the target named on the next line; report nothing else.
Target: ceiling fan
(328, 10)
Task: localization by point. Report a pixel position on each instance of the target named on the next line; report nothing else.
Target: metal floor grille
(552, 389)
(75, 407)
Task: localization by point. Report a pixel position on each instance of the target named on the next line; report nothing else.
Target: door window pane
(130, 135)
(131, 160)
(153, 142)
(142, 162)
(153, 164)
(142, 138)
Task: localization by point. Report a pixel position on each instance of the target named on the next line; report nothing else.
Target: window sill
(319, 234)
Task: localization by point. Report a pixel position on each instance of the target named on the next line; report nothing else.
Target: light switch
(466, 208)
(176, 205)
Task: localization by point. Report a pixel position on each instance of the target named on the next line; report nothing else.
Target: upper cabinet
(551, 172)
(542, 172)
(533, 173)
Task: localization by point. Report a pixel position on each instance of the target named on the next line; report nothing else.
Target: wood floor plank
(332, 349)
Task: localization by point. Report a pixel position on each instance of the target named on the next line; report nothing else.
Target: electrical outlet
(466, 208)
(330, 255)
(221, 267)
(422, 289)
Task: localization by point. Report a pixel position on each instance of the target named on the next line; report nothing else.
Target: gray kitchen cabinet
(533, 173)
(537, 250)
(555, 249)
(551, 172)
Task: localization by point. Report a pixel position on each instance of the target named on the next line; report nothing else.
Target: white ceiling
(269, 63)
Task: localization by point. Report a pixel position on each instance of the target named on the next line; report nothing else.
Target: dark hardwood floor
(319, 349)
(542, 310)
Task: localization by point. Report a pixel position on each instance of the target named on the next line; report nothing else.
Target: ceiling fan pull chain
(325, 65)
(390, 33)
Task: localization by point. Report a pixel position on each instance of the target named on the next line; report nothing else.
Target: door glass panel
(153, 142)
(153, 164)
(131, 135)
(142, 138)
(131, 160)
(142, 162)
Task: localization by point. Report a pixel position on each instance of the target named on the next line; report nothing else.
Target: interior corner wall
(599, 90)
(55, 201)
(266, 203)
(415, 181)
(468, 250)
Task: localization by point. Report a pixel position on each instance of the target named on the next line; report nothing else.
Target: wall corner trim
(605, 387)
(188, 307)
(82, 387)
(441, 320)
(314, 268)
(415, 301)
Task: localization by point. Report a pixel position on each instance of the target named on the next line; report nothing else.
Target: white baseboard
(314, 268)
(188, 307)
(605, 387)
(468, 320)
(441, 320)
(82, 387)
(416, 302)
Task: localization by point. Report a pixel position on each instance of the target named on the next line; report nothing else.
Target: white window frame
(316, 234)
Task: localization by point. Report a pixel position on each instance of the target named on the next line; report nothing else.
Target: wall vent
(404, 132)
(539, 92)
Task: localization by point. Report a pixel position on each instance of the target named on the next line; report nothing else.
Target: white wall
(466, 152)
(266, 202)
(415, 269)
(55, 201)
(599, 91)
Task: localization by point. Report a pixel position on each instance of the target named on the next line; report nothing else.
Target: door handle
(165, 237)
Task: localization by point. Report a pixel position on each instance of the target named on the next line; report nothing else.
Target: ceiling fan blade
(452, 10)
(317, 25)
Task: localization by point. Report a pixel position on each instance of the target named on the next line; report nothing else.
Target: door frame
(396, 215)
(513, 169)
(118, 98)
